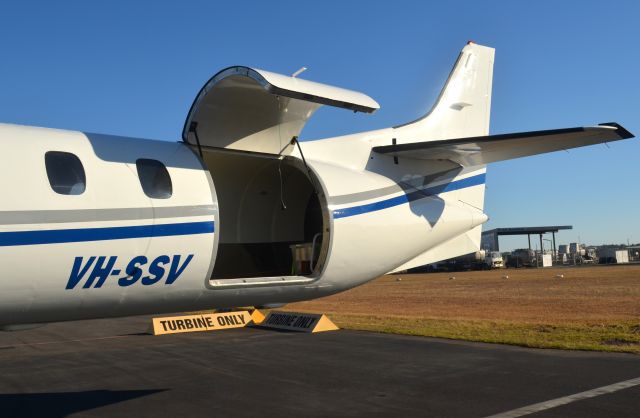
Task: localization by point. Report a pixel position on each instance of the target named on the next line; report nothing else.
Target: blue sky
(134, 68)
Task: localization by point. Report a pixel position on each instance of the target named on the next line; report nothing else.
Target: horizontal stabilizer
(491, 148)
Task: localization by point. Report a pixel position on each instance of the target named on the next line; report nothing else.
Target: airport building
(490, 239)
(545, 252)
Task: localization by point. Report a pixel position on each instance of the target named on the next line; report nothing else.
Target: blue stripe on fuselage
(410, 197)
(58, 236)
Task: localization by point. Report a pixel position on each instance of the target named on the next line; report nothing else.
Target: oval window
(154, 178)
(65, 173)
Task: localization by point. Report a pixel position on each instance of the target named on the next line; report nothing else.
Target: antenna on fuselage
(300, 71)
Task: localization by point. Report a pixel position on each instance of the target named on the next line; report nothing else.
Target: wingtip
(620, 130)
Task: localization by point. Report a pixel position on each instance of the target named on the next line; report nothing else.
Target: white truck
(493, 260)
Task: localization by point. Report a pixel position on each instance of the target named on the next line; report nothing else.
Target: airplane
(240, 213)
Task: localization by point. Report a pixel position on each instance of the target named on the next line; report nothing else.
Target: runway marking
(553, 403)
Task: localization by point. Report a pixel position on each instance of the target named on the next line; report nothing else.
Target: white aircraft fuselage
(239, 213)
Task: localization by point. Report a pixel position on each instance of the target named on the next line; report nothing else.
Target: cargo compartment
(272, 216)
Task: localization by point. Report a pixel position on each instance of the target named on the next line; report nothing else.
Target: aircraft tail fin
(461, 110)
(464, 104)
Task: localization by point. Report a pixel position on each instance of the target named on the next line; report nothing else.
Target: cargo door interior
(274, 224)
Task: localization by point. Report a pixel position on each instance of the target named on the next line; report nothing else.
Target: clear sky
(134, 68)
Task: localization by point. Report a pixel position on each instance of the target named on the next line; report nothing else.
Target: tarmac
(105, 368)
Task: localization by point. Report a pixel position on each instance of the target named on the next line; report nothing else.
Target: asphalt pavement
(105, 368)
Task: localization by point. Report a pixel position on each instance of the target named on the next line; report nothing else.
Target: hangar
(490, 241)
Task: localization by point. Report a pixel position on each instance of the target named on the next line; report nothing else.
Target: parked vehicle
(522, 257)
(493, 260)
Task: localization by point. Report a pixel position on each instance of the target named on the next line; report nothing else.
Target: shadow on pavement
(62, 404)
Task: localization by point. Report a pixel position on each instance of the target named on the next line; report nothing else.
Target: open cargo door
(273, 221)
(247, 109)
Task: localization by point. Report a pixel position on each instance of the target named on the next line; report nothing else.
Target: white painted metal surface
(248, 109)
(293, 86)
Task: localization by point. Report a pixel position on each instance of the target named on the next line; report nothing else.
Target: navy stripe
(410, 197)
(57, 236)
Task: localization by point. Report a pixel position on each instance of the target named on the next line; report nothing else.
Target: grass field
(591, 308)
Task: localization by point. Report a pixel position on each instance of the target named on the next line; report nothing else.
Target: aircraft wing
(491, 148)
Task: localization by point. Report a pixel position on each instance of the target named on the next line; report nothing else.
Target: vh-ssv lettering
(94, 271)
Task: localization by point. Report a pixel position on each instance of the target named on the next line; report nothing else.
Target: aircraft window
(65, 173)
(154, 178)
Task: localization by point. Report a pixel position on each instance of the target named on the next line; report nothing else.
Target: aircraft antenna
(300, 71)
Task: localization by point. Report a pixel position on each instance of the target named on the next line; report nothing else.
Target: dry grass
(595, 308)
